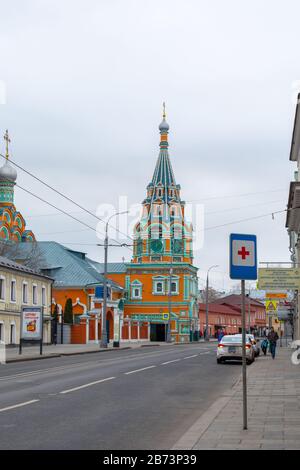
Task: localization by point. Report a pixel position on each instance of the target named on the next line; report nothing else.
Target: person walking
(273, 338)
(264, 345)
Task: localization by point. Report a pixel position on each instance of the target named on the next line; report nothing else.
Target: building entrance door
(157, 332)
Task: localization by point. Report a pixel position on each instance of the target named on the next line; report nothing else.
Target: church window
(136, 290)
(174, 287)
(159, 287)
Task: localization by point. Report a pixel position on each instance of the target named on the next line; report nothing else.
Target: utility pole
(206, 301)
(103, 343)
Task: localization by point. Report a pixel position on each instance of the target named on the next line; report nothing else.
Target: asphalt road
(143, 398)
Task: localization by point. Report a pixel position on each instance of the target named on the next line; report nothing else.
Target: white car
(230, 349)
(253, 341)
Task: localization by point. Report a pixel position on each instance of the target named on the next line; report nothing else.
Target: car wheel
(219, 361)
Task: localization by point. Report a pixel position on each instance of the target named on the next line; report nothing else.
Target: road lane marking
(90, 364)
(138, 370)
(18, 405)
(201, 354)
(169, 362)
(190, 357)
(86, 385)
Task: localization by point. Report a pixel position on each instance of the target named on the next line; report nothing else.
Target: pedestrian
(273, 338)
(220, 335)
(264, 345)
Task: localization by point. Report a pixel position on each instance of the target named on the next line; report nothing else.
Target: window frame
(3, 288)
(25, 285)
(13, 282)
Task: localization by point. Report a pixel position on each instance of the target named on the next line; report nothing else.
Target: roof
(236, 299)
(219, 308)
(163, 172)
(295, 145)
(9, 264)
(69, 268)
(112, 268)
(292, 214)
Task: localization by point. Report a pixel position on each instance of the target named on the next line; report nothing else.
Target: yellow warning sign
(271, 305)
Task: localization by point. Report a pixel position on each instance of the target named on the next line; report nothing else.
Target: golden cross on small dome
(164, 110)
(7, 139)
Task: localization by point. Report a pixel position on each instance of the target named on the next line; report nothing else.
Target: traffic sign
(271, 305)
(243, 256)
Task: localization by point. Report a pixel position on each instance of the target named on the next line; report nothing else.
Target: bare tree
(32, 257)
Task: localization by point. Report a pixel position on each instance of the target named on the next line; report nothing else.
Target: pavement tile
(273, 408)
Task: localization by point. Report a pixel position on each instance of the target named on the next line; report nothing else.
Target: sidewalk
(50, 351)
(273, 410)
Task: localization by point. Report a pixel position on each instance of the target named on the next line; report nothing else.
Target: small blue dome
(164, 126)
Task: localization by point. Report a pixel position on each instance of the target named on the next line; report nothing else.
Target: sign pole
(42, 334)
(20, 341)
(244, 365)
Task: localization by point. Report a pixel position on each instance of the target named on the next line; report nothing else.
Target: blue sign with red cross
(243, 256)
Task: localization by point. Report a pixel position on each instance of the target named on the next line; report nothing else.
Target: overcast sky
(85, 82)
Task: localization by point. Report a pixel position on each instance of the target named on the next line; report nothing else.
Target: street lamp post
(206, 300)
(103, 343)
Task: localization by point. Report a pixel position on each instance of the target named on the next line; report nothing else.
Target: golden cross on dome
(164, 110)
(7, 139)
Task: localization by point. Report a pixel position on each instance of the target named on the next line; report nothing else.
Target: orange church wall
(61, 295)
(78, 334)
(118, 278)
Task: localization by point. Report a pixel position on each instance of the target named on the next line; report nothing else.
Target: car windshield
(231, 339)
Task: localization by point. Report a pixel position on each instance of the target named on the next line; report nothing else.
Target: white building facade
(21, 286)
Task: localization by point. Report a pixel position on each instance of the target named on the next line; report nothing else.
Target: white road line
(201, 354)
(86, 385)
(18, 405)
(90, 364)
(169, 362)
(138, 370)
(190, 357)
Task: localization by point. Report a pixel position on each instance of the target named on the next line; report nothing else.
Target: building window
(25, 293)
(43, 295)
(159, 288)
(136, 293)
(34, 294)
(12, 338)
(2, 288)
(174, 287)
(1, 332)
(13, 291)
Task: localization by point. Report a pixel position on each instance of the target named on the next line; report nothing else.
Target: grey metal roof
(112, 268)
(9, 264)
(69, 268)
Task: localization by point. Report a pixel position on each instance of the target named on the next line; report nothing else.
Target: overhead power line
(65, 197)
(64, 212)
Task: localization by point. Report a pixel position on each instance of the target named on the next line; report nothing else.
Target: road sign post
(243, 266)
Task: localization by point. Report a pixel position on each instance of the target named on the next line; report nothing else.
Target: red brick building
(255, 310)
(220, 317)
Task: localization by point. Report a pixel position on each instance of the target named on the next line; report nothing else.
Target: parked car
(230, 349)
(254, 343)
